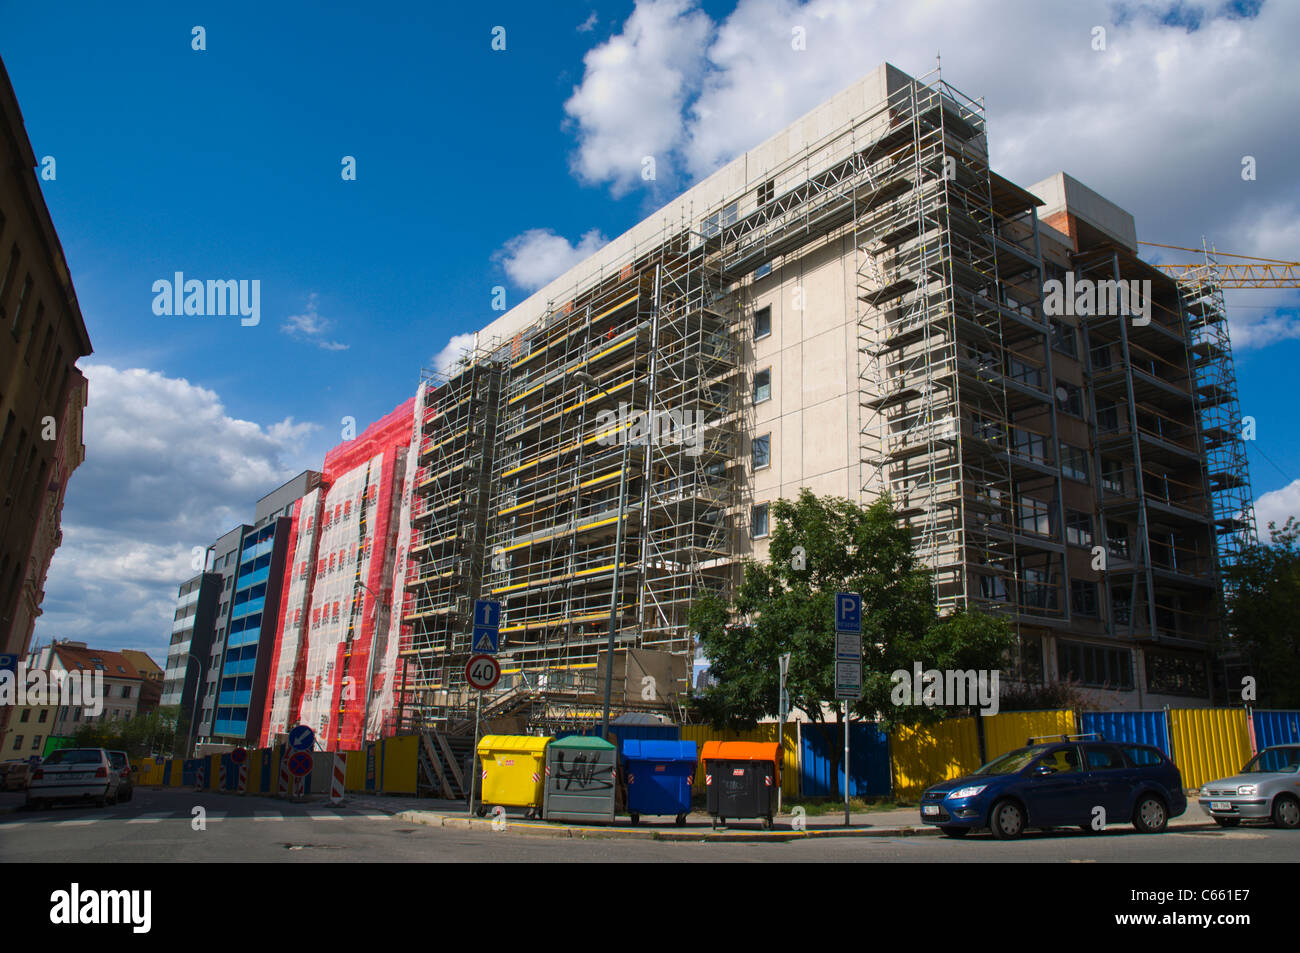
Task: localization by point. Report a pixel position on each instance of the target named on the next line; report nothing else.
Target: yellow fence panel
(762, 733)
(147, 771)
(1010, 730)
(401, 756)
(928, 754)
(176, 778)
(255, 756)
(1208, 743)
(355, 774)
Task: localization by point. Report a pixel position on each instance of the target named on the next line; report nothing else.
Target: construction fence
(1205, 743)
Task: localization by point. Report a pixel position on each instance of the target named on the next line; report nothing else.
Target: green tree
(786, 605)
(1263, 605)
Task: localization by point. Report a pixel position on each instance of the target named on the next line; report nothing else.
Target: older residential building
(42, 394)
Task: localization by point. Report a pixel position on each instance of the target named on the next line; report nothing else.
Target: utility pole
(783, 710)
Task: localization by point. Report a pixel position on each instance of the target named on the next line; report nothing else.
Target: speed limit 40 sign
(482, 672)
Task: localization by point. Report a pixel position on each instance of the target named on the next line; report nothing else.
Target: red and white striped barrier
(243, 778)
(221, 774)
(299, 788)
(198, 777)
(283, 788)
(339, 780)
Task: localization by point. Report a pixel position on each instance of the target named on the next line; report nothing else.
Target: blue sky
(478, 168)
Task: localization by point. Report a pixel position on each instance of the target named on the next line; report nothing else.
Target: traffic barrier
(339, 781)
(1009, 730)
(243, 778)
(282, 790)
(198, 775)
(927, 754)
(221, 774)
(1209, 743)
(400, 766)
(1275, 728)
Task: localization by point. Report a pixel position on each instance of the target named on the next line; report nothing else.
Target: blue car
(1060, 784)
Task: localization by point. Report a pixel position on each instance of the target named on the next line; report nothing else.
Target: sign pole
(846, 764)
(473, 756)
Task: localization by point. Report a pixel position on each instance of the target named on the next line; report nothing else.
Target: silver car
(74, 774)
(1268, 787)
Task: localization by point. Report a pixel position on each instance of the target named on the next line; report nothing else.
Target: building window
(1176, 675)
(1069, 399)
(762, 323)
(1107, 416)
(1078, 528)
(758, 521)
(766, 191)
(36, 742)
(1030, 445)
(45, 713)
(1117, 539)
(762, 385)
(1083, 598)
(763, 270)
(126, 691)
(1063, 338)
(18, 742)
(1074, 463)
(1035, 516)
(1037, 590)
(27, 713)
(1094, 665)
(1112, 476)
(1101, 357)
(762, 451)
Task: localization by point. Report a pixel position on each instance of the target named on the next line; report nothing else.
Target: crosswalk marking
(325, 817)
(150, 818)
(267, 816)
(78, 822)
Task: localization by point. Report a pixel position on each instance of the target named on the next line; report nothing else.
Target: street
(158, 826)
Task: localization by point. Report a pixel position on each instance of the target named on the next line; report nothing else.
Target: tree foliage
(162, 732)
(1263, 606)
(786, 605)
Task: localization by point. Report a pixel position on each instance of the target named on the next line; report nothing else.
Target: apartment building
(856, 306)
(193, 630)
(42, 394)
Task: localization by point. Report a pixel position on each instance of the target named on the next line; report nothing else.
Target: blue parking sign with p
(848, 612)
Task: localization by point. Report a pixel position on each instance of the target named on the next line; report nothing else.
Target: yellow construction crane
(1252, 272)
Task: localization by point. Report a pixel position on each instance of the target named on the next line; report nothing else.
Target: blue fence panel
(1275, 728)
(823, 748)
(190, 768)
(1133, 727)
(268, 755)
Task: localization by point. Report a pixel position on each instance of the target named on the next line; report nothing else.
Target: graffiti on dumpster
(580, 773)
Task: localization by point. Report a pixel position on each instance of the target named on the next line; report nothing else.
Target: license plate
(930, 809)
(1220, 805)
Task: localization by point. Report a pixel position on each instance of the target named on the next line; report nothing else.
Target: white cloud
(539, 254)
(166, 470)
(1158, 121)
(629, 104)
(589, 24)
(309, 326)
(1275, 506)
(445, 359)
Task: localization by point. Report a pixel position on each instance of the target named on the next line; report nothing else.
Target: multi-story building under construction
(855, 306)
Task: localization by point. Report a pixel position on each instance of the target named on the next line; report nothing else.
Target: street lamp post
(584, 378)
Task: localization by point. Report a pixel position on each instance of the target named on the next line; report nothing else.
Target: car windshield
(75, 756)
(1274, 761)
(1013, 761)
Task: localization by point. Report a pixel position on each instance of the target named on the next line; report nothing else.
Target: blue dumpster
(659, 776)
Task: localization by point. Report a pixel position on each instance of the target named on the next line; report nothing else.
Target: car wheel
(481, 810)
(1150, 815)
(767, 823)
(1286, 812)
(955, 831)
(1007, 820)
(636, 818)
(1227, 821)
(681, 820)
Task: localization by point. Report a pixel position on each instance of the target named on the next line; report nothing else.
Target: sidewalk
(903, 822)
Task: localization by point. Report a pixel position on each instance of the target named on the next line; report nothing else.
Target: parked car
(1060, 784)
(14, 775)
(74, 774)
(1268, 788)
(126, 777)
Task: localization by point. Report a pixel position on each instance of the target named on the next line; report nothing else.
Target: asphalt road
(159, 825)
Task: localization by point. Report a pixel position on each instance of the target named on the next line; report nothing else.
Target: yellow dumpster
(512, 772)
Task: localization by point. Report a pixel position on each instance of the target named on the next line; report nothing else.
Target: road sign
(848, 646)
(482, 672)
(848, 612)
(302, 738)
(300, 764)
(848, 680)
(239, 755)
(487, 626)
